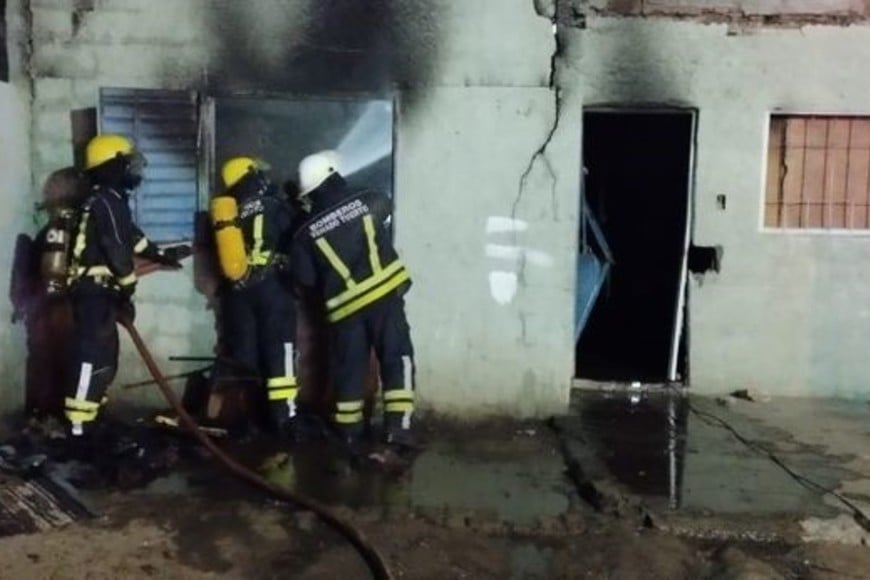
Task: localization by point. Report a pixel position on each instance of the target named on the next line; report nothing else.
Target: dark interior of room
(636, 186)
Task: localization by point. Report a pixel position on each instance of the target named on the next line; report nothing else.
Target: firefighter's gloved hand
(172, 256)
(168, 262)
(127, 291)
(127, 310)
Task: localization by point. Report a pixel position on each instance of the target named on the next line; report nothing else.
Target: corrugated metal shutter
(164, 126)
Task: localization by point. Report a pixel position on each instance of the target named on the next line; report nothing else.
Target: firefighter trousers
(384, 327)
(94, 351)
(261, 336)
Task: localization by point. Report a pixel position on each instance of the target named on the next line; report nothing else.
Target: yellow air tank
(228, 237)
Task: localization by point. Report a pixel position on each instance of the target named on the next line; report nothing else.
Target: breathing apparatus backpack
(56, 250)
(228, 237)
(63, 194)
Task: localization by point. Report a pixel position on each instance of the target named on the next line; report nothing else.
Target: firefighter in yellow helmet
(253, 225)
(102, 280)
(345, 254)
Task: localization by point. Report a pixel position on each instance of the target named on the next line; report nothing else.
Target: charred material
(342, 45)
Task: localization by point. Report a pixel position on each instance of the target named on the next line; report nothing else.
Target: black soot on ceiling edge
(349, 45)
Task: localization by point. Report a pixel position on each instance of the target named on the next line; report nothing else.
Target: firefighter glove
(172, 256)
(127, 310)
(127, 291)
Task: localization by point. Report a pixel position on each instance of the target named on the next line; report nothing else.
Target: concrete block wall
(76, 51)
(787, 314)
(463, 181)
(460, 85)
(16, 215)
(493, 331)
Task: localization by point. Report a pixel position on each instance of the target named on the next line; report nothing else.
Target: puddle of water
(309, 470)
(640, 439)
(657, 449)
(513, 487)
(519, 490)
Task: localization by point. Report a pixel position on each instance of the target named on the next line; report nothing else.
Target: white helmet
(315, 169)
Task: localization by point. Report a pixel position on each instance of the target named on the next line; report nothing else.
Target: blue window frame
(164, 126)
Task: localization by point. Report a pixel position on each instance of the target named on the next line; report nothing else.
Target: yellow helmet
(103, 148)
(236, 168)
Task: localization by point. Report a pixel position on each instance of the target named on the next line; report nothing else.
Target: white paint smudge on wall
(503, 286)
(503, 283)
(517, 253)
(498, 224)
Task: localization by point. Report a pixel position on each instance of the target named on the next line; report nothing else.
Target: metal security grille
(818, 173)
(164, 126)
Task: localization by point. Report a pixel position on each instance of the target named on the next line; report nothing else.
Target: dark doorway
(637, 179)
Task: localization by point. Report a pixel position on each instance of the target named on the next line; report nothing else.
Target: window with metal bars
(818, 173)
(164, 126)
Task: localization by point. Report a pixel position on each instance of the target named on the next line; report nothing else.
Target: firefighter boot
(284, 422)
(348, 450)
(398, 432)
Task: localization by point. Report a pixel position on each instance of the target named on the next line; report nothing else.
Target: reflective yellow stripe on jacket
(76, 270)
(358, 295)
(257, 256)
(141, 245)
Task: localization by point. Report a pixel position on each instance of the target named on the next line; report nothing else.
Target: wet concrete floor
(508, 474)
(506, 482)
(505, 478)
(650, 446)
(653, 445)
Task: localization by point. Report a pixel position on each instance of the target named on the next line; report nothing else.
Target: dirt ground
(181, 537)
(461, 521)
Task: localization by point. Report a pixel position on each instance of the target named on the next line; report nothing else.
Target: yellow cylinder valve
(228, 237)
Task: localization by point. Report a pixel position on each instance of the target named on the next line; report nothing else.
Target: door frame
(681, 314)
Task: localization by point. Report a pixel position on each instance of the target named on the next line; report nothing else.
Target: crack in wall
(551, 12)
(524, 339)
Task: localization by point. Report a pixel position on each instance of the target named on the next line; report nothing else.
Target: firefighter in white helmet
(345, 254)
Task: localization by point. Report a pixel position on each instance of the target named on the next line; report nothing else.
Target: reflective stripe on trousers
(284, 388)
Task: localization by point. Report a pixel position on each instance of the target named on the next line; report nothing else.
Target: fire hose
(367, 551)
